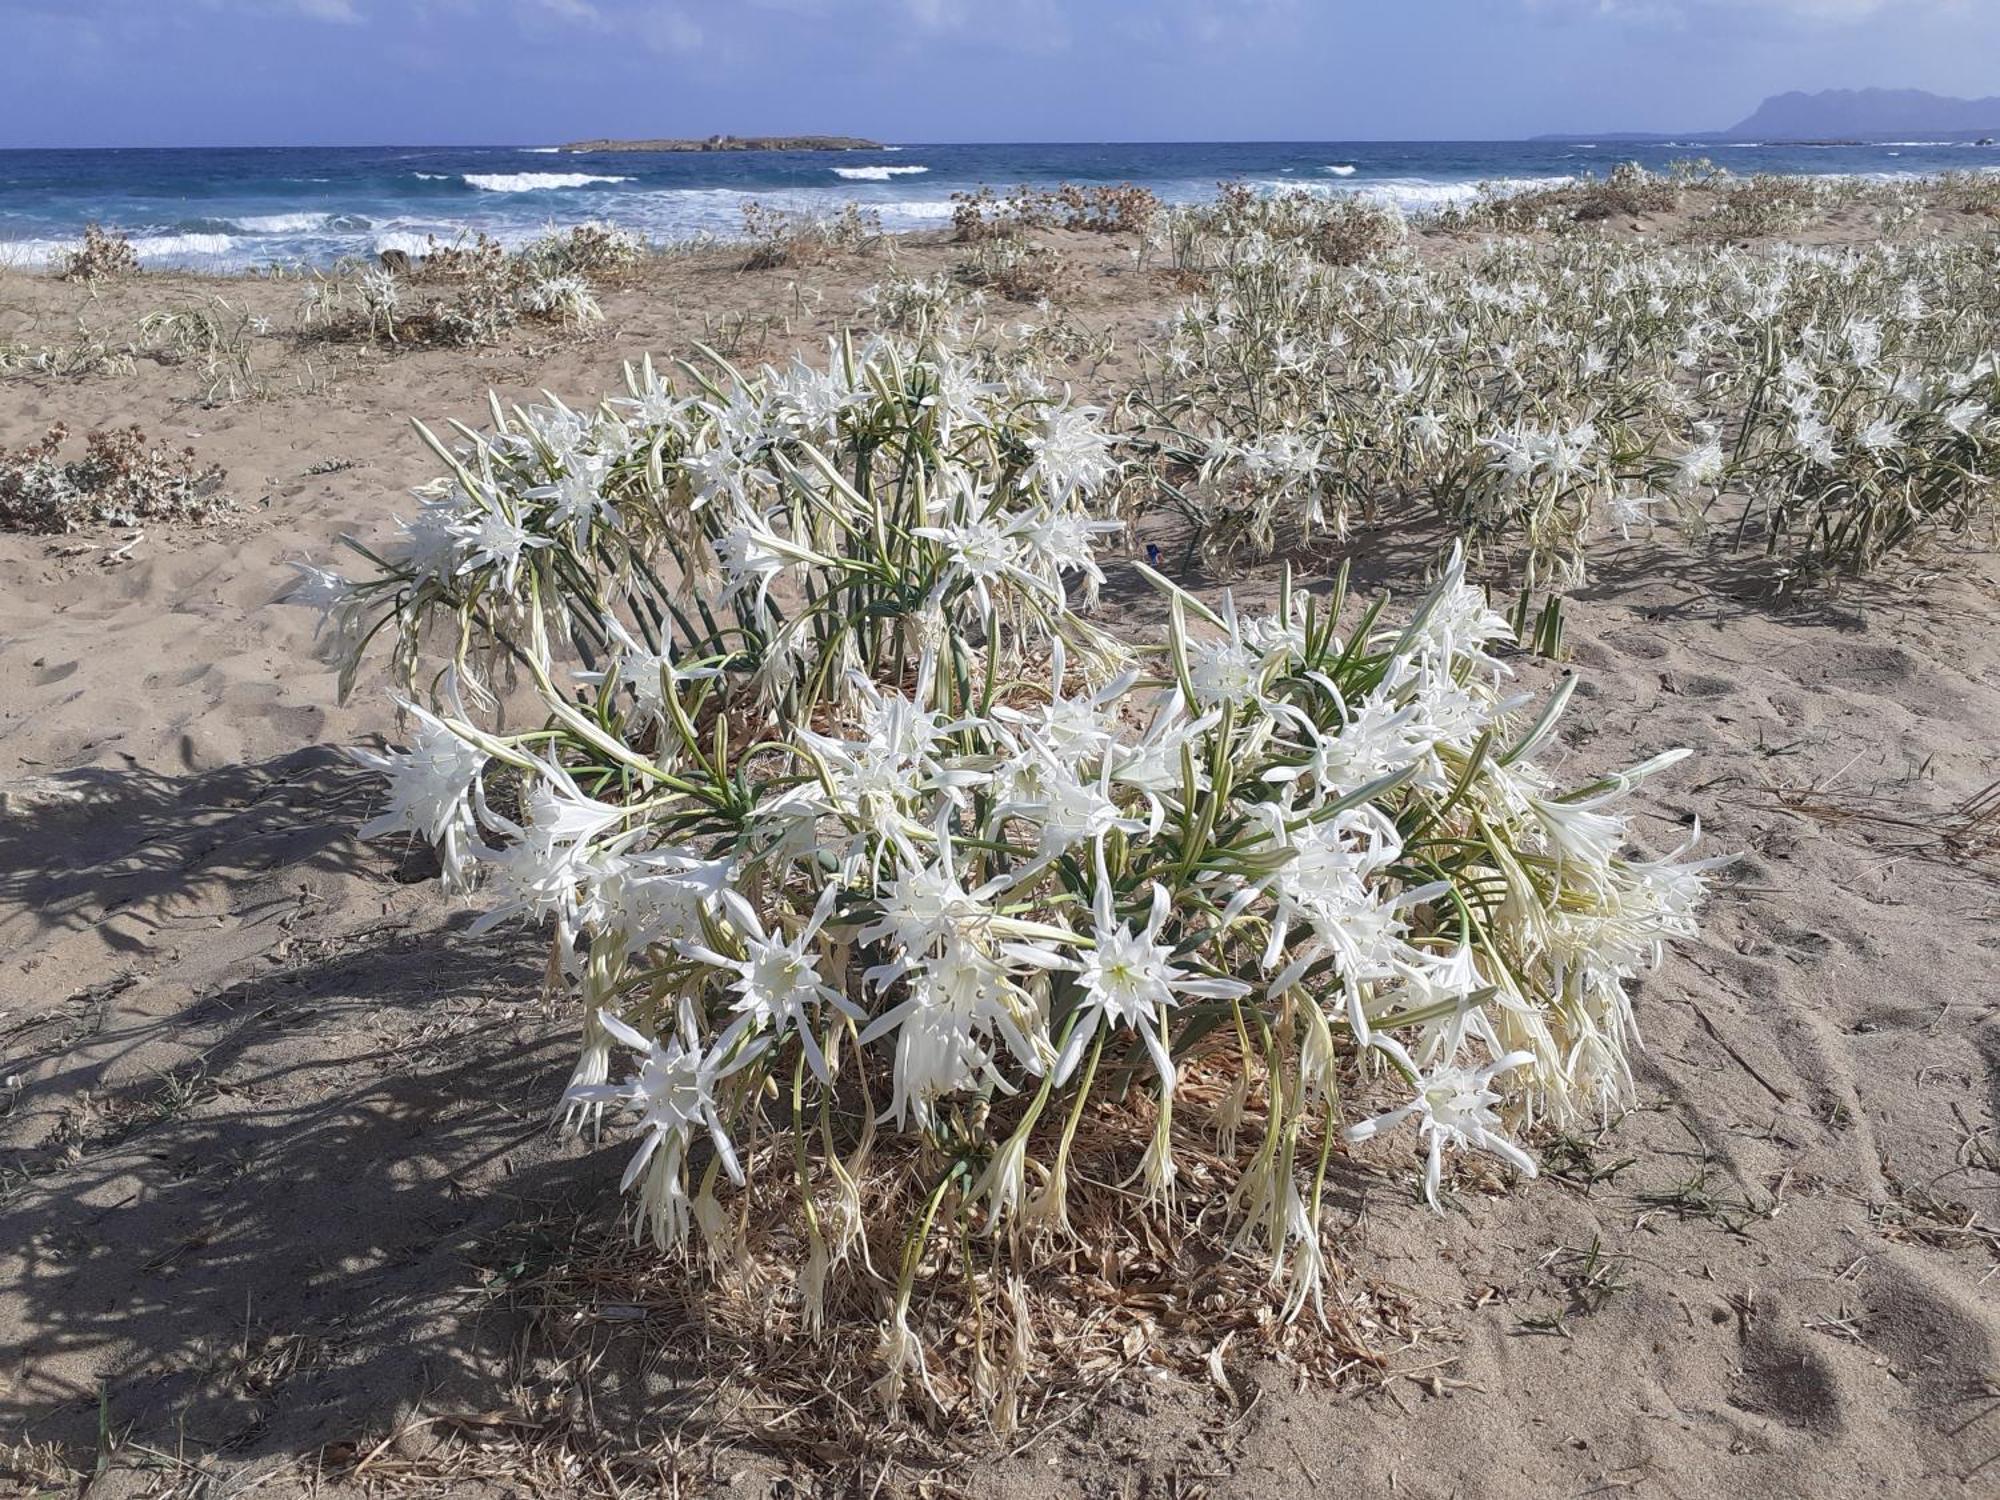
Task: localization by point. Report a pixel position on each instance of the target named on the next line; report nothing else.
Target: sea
(237, 208)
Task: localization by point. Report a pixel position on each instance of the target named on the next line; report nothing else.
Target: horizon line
(1635, 137)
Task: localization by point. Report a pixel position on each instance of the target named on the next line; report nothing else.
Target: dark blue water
(243, 207)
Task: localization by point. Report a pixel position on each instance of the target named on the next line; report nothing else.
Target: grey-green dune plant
(467, 293)
(907, 910)
(121, 478)
(215, 337)
(779, 237)
(1017, 268)
(1833, 404)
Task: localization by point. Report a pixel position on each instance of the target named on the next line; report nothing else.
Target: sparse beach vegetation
(782, 237)
(1030, 815)
(1007, 874)
(121, 478)
(101, 254)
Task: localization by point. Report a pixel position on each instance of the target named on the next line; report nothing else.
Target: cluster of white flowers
(836, 784)
(1537, 395)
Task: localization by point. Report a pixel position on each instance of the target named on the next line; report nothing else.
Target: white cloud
(1045, 25)
(1017, 20)
(1847, 10)
(658, 27)
(667, 28)
(567, 10)
(1214, 21)
(1675, 12)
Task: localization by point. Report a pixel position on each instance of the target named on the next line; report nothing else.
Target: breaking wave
(532, 182)
(876, 174)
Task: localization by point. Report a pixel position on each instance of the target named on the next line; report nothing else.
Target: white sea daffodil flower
(778, 985)
(1227, 669)
(1629, 508)
(1075, 729)
(1453, 1107)
(431, 788)
(1965, 417)
(925, 906)
(753, 557)
(674, 1094)
(432, 542)
(983, 554)
(956, 1002)
(543, 871)
(648, 673)
(1324, 883)
(717, 476)
(902, 749)
(1065, 809)
(1700, 468)
(1882, 435)
(925, 910)
(1128, 978)
(340, 631)
(1380, 739)
(318, 588)
(1153, 764)
(1456, 619)
(660, 897)
(493, 541)
(576, 500)
(1056, 543)
(1072, 454)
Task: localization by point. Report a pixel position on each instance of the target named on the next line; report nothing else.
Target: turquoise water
(224, 209)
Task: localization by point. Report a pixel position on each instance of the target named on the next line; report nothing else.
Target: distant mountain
(1842, 113)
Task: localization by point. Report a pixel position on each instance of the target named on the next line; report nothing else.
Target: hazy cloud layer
(1806, 12)
(498, 71)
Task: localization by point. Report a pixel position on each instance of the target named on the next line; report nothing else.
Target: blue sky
(284, 72)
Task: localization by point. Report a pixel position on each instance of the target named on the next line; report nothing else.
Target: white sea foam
(409, 241)
(722, 214)
(1421, 193)
(182, 247)
(876, 174)
(912, 213)
(27, 255)
(282, 223)
(1341, 169)
(532, 182)
(679, 212)
(541, 150)
(1415, 194)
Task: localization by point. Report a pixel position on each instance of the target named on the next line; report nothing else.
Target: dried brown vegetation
(101, 255)
(1018, 268)
(120, 479)
(778, 237)
(1123, 209)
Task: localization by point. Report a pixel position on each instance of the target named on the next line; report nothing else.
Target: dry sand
(273, 1126)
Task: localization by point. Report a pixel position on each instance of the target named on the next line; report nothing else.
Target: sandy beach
(286, 1211)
